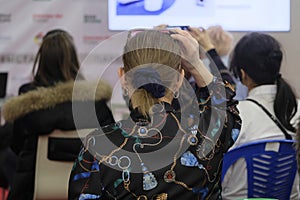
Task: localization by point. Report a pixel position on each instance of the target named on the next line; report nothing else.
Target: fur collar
(46, 97)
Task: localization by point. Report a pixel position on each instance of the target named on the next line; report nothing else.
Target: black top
(170, 156)
(220, 68)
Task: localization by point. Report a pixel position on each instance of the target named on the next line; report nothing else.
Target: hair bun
(148, 79)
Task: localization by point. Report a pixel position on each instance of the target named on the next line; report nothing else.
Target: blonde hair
(157, 50)
(56, 60)
(221, 39)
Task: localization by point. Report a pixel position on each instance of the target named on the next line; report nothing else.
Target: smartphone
(186, 28)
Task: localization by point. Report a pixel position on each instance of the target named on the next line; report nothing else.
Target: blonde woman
(159, 152)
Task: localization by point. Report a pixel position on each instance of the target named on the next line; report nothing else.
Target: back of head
(221, 39)
(56, 60)
(151, 46)
(153, 57)
(260, 56)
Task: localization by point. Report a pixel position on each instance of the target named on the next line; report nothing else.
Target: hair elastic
(149, 80)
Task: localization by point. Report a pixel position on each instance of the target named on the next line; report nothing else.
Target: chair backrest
(52, 177)
(271, 167)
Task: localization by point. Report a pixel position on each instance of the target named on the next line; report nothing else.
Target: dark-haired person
(159, 152)
(45, 104)
(256, 60)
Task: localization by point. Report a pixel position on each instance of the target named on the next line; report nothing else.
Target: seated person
(45, 104)
(256, 60)
(160, 152)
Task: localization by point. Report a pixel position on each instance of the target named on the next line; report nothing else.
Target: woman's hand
(190, 57)
(160, 26)
(201, 35)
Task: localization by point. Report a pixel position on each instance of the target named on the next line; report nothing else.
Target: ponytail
(143, 100)
(285, 105)
(149, 88)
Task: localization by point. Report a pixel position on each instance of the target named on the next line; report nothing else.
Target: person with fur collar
(47, 103)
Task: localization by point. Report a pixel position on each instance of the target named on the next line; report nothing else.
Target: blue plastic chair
(271, 167)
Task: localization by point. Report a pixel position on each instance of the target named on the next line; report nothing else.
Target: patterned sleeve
(85, 170)
(219, 126)
(218, 111)
(217, 66)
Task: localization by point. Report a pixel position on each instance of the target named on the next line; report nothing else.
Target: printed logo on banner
(94, 39)
(46, 17)
(91, 19)
(16, 58)
(5, 18)
(98, 58)
(38, 38)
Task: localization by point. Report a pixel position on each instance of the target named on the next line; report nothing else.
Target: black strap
(287, 136)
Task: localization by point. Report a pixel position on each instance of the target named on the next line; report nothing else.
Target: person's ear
(180, 80)
(124, 83)
(121, 74)
(243, 76)
(247, 80)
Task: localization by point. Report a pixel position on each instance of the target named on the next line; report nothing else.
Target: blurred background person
(216, 46)
(256, 60)
(45, 104)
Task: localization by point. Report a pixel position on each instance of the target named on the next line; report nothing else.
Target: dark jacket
(174, 155)
(41, 110)
(7, 157)
(218, 67)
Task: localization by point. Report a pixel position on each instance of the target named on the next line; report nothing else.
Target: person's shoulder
(298, 107)
(106, 129)
(248, 108)
(26, 88)
(296, 118)
(245, 103)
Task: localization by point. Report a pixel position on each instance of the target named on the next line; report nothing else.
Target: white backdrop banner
(23, 23)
